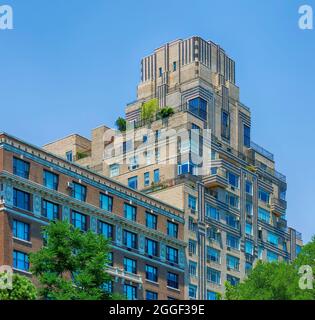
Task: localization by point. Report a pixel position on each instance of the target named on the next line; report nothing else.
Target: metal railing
(262, 151)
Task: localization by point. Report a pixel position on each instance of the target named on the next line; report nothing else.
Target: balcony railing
(262, 151)
(116, 272)
(299, 235)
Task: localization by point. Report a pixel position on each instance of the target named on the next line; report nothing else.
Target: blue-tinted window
(213, 255)
(21, 168)
(249, 208)
(249, 228)
(225, 125)
(212, 212)
(232, 262)
(156, 176)
(231, 220)
(151, 247)
(106, 229)
(232, 280)
(146, 178)
(130, 292)
(160, 72)
(264, 195)
(271, 256)
(20, 261)
(151, 220)
(79, 220)
(21, 199)
(249, 247)
(249, 187)
(192, 268)
(192, 291)
(192, 202)
(232, 241)
(185, 168)
(130, 265)
(198, 107)
(133, 182)
(51, 180)
(150, 295)
(106, 202)
(108, 286)
(213, 276)
(172, 229)
(130, 212)
(79, 191)
(130, 239)
(212, 295)
(248, 267)
(151, 273)
(192, 246)
(21, 230)
(69, 156)
(246, 136)
(263, 215)
(50, 210)
(272, 238)
(172, 280)
(174, 66)
(233, 179)
(171, 254)
(144, 138)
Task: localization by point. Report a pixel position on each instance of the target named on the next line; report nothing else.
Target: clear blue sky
(70, 66)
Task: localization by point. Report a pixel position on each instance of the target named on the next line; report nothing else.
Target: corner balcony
(124, 275)
(278, 206)
(216, 180)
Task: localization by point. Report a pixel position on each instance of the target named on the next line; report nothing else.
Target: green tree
(121, 124)
(22, 289)
(149, 109)
(165, 112)
(72, 265)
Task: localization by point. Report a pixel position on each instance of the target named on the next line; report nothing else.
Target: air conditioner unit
(70, 185)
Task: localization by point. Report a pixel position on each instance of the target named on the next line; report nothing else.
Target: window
(130, 239)
(105, 229)
(249, 187)
(260, 252)
(192, 203)
(160, 72)
(232, 200)
(249, 228)
(151, 220)
(246, 136)
(272, 238)
(213, 276)
(214, 235)
(79, 191)
(150, 295)
(130, 212)
(263, 215)
(172, 280)
(114, 170)
(225, 125)
(50, 210)
(151, 247)
(232, 262)
(192, 268)
(133, 182)
(298, 249)
(192, 246)
(232, 242)
(110, 258)
(21, 230)
(20, 260)
(172, 229)
(174, 66)
(248, 267)
(198, 107)
(264, 196)
(191, 224)
(171, 254)
(21, 199)
(212, 212)
(108, 286)
(134, 163)
(271, 256)
(186, 168)
(213, 255)
(232, 280)
(233, 179)
(249, 208)
(146, 178)
(130, 265)
(130, 292)
(145, 138)
(51, 180)
(156, 176)
(106, 202)
(151, 273)
(79, 220)
(231, 221)
(21, 168)
(212, 295)
(249, 247)
(192, 291)
(69, 156)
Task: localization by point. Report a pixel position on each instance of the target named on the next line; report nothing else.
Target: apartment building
(201, 159)
(147, 258)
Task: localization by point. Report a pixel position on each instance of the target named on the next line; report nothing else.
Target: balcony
(261, 151)
(278, 206)
(216, 180)
(119, 273)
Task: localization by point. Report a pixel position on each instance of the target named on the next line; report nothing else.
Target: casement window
(21, 168)
(50, 210)
(21, 230)
(51, 180)
(106, 202)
